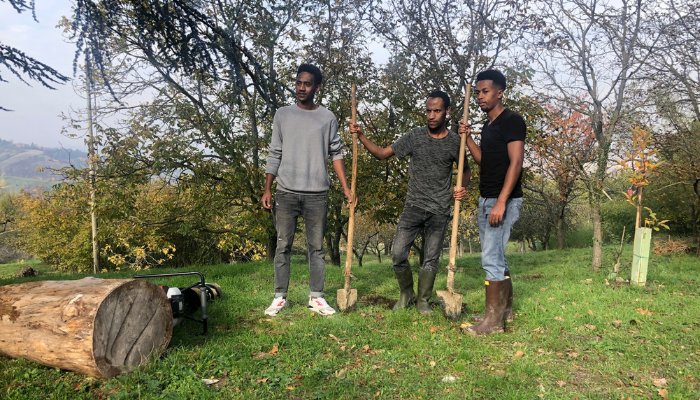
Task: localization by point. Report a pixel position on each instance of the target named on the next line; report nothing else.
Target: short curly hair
(313, 70)
(493, 75)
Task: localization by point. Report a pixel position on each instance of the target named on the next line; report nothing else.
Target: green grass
(8, 270)
(574, 337)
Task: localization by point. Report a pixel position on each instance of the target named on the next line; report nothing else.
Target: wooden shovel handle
(353, 181)
(455, 216)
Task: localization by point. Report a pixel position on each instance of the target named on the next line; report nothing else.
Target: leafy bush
(617, 214)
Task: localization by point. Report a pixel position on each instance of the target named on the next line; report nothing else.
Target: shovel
(347, 298)
(450, 301)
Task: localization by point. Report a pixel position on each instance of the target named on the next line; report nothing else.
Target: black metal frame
(202, 293)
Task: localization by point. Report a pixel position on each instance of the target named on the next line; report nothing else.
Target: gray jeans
(286, 211)
(414, 220)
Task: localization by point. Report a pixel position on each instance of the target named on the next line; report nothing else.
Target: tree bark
(561, 234)
(335, 245)
(271, 246)
(597, 260)
(99, 327)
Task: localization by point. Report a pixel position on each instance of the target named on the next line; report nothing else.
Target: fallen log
(100, 327)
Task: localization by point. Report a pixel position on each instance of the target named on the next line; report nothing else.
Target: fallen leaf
(391, 371)
(589, 326)
(542, 289)
(551, 298)
(573, 354)
(210, 381)
(377, 395)
(616, 323)
(274, 350)
(589, 280)
(433, 329)
(334, 338)
(663, 393)
(263, 380)
(290, 387)
(433, 363)
(660, 382)
(561, 383)
(590, 312)
(558, 318)
(644, 311)
(341, 374)
(449, 379)
(518, 354)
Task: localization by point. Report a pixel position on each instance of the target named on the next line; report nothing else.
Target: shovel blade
(451, 304)
(347, 299)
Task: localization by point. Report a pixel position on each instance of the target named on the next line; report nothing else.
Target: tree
(588, 54)
(557, 156)
(19, 64)
(678, 63)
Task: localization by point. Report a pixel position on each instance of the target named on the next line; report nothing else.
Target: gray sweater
(302, 141)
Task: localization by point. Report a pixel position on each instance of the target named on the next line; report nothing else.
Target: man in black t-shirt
(500, 155)
(433, 150)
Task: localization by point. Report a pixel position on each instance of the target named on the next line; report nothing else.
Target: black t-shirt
(507, 127)
(430, 168)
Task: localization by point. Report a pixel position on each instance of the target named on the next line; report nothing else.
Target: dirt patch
(377, 300)
(528, 276)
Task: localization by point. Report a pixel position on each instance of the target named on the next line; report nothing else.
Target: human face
(488, 95)
(436, 113)
(306, 88)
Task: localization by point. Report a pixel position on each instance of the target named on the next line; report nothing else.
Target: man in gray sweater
(433, 149)
(304, 136)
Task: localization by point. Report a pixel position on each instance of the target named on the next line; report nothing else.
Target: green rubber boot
(425, 290)
(407, 296)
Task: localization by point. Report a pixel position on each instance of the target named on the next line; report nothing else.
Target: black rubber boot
(407, 296)
(508, 314)
(425, 290)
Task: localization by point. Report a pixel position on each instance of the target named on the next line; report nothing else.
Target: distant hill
(21, 164)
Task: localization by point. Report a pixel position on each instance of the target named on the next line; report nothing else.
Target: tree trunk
(561, 235)
(271, 246)
(379, 254)
(638, 222)
(99, 327)
(335, 251)
(597, 236)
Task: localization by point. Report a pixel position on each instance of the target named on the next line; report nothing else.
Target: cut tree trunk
(100, 327)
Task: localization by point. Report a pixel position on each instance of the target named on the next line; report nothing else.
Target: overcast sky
(37, 109)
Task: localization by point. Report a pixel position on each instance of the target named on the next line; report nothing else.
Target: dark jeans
(286, 211)
(414, 220)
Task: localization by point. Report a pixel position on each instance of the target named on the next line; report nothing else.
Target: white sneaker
(319, 305)
(277, 304)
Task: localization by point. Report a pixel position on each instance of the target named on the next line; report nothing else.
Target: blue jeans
(414, 220)
(286, 211)
(495, 238)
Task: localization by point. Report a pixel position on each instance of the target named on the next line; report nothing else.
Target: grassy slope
(572, 338)
(14, 184)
